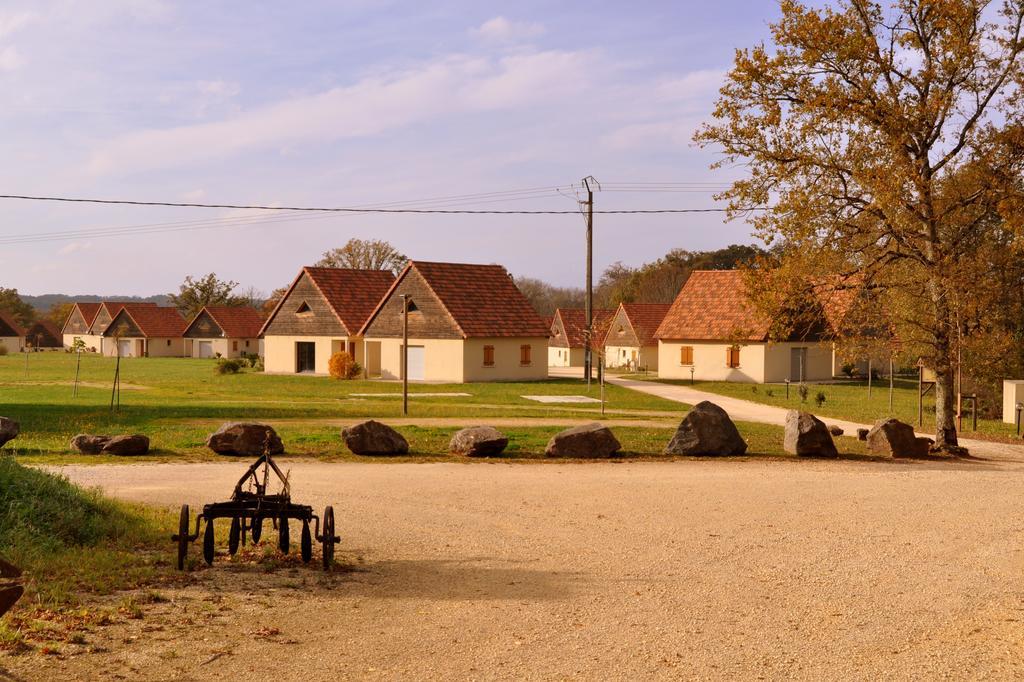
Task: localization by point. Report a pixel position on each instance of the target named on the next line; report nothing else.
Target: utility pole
(405, 354)
(589, 203)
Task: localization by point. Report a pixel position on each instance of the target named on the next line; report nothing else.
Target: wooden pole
(890, 385)
(405, 354)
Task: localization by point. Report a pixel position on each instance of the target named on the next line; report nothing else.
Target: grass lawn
(849, 400)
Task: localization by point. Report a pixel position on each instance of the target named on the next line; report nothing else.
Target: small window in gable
(304, 310)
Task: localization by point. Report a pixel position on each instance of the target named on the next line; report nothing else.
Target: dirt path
(679, 570)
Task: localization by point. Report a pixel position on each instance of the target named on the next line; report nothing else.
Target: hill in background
(44, 302)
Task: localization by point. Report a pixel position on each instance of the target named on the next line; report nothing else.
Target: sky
(320, 103)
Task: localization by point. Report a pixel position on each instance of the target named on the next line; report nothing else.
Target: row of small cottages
(148, 330)
(709, 333)
(466, 323)
(14, 338)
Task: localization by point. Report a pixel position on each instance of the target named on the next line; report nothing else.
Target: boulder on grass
(588, 440)
(127, 446)
(478, 441)
(862, 434)
(9, 430)
(807, 436)
(240, 438)
(706, 430)
(89, 444)
(836, 431)
(894, 438)
(373, 438)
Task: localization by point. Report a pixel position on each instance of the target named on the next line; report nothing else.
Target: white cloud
(656, 134)
(455, 84)
(74, 247)
(219, 88)
(193, 196)
(10, 59)
(12, 22)
(695, 85)
(501, 30)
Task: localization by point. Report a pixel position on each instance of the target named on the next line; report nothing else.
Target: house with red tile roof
(88, 320)
(43, 334)
(466, 323)
(629, 342)
(321, 314)
(568, 335)
(145, 330)
(712, 332)
(222, 331)
(12, 336)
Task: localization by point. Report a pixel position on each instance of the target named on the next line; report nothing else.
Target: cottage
(12, 336)
(568, 335)
(88, 320)
(43, 334)
(224, 331)
(145, 330)
(320, 315)
(630, 340)
(712, 332)
(466, 323)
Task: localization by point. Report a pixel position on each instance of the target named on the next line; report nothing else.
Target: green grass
(849, 400)
(178, 402)
(70, 541)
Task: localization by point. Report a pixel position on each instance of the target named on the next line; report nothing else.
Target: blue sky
(346, 104)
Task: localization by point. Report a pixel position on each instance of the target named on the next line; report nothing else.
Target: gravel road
(636, 570)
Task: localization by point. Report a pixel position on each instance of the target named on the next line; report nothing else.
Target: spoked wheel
(307, 543)
(327, 538)
(182, 537)
(234, 535)
(208, 543)
(283, 541)
(257, 528)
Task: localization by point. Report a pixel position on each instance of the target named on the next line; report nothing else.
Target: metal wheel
(208, 543)
(307, 543)
(234, 535)
(182, 537)
(283, 541)
(328, 538)
(257, 528)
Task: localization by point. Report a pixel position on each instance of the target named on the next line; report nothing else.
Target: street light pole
(587, 353)
(405, 354)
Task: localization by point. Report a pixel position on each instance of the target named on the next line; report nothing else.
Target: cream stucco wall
(616, 356)
(506, 360)
(560, 356)
(153, 348)
(226, 347)
(90, 340)
(279, 354)
(442, 359)
(13, 344)
(759, 362)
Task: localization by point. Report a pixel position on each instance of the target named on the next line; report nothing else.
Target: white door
(417, 363)
(124, 348)
(206, 349)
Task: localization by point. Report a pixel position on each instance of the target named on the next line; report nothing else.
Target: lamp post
(405, 353)
(1020, 406)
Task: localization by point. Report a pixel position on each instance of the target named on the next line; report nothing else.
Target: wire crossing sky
(366, 107)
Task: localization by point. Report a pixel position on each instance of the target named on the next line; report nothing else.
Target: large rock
(706, 430)
(894, 438)
(478, 441)
(588, 440)
(862, 434)
(373, 438)
(241, 438)
(9, 430)
(89, 444)
(127, 446)
(807, 436)
(835, 430)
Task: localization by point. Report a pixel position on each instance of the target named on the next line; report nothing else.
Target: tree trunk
(942, 360)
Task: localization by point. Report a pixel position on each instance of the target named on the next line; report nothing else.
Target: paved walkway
(748, 411)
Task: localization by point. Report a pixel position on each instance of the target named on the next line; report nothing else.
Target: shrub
(803, 391)
(849, 369)
(226, 366)
(769, 392)
(819, 399)
(343, 366)
(753, 389)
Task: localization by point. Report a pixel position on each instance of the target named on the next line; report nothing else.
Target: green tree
(194, 294)
(364, 254)
(883, 140)
(11, 302)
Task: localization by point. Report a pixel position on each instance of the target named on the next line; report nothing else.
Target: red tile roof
(482, 300)
(89, 311)
(7, 321)
(237, 322)
(154, 321)
(713, 306)
(645, 318)
(574, 321)
(352, 294)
